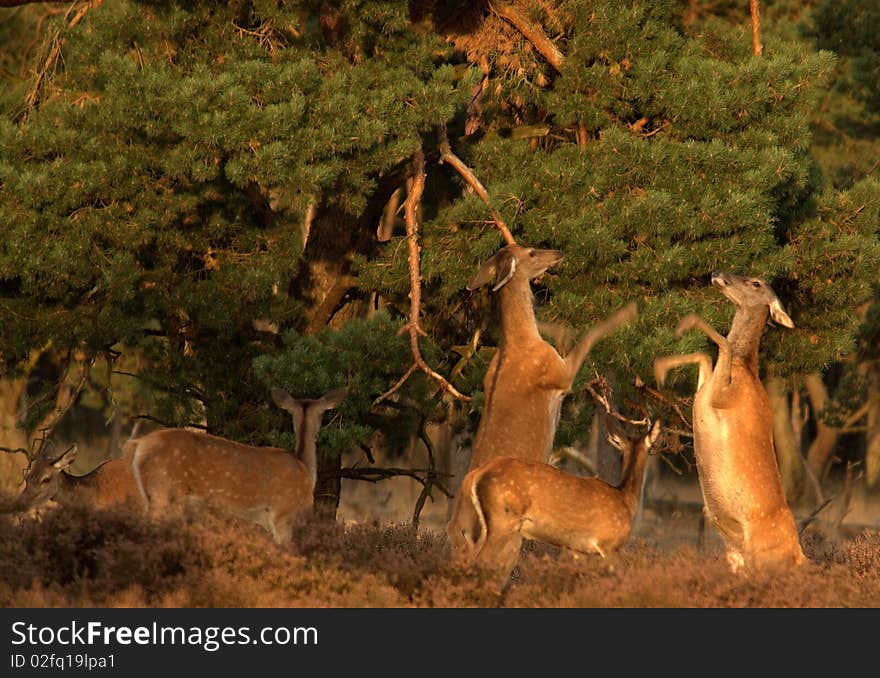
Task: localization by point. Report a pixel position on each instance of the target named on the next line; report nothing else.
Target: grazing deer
(733, 431)
(527, 379)
(269, 486)
(47, 482)
(507, 499)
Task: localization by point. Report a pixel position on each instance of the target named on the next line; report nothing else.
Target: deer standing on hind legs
(733, 432)
(269, 486)
(527, 379)
(506, 499)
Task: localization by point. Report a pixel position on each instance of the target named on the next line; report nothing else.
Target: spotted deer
(506, 500)
(269, 486)
(527, 379)
(48, 482)
(733, 431)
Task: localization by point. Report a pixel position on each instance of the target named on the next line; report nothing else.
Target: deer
(269, 486)
(527, 379)
(506, 500)
(48, 483)
(736, 462)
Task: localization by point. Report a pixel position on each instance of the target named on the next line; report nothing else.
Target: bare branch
(604, 399)
(413, 198)
(757, 47)
(375, 475)
(50, 61)
(531, 32)
(64, 399)
(446, 155)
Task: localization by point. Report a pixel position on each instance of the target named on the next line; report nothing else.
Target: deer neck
(518, 326)
(745, 334)
(634, 476)
(306, 426)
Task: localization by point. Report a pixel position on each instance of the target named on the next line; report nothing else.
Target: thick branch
(446, 155)
(531, 32)
(411, 205)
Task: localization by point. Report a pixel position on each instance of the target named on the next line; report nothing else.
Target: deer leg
(666, 363)
(614, 322)
(721, 375)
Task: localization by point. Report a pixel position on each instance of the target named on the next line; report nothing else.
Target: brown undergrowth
(77, 557)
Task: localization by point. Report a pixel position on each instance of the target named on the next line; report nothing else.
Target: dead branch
(446, 155)
(531, 32)
(65, 398)
(414, 328)
(757, 47)
(54, 53)
(604, 399)
(805, 523)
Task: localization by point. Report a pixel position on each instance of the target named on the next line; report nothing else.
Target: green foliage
(366, 356)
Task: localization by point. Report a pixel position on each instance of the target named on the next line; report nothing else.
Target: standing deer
(109, 485)
(733, 431)
(506, 499)
(527, 379)
(269, 486)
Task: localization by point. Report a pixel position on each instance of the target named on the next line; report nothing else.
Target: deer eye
(756, 284)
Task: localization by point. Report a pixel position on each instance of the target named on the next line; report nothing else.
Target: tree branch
(375, 475)
(34, 94)
(531, 32)
(446, 155)
(411, 205)
(757, 47)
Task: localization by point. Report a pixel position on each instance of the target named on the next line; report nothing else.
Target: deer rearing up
(527, 379)
(507, 499)
(733, 431)
(269, 486)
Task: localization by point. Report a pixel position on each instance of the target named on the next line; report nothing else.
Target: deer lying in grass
(527, 379)
(507, 499)
(47, 482)
(269, 486)
(733, 431)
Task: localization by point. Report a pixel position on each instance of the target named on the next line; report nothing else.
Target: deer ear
(506, 269)
(653, 434)
(66, 459)
(282, 398)
(484, 275)
(332, 399)
(500, 267)
(779, 315)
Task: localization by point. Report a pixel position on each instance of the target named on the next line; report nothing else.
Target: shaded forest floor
(77, 557)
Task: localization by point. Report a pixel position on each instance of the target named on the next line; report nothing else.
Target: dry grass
(77, 557)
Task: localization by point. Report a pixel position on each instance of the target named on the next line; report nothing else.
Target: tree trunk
(826, 436)
(12, 436)
(788, 448)
(872, 435)
(322, 282)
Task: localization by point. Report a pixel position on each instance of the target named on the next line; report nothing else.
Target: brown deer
(269, 486)
(506, 500)
(733, 431)
(527, 379)
(47, 482)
